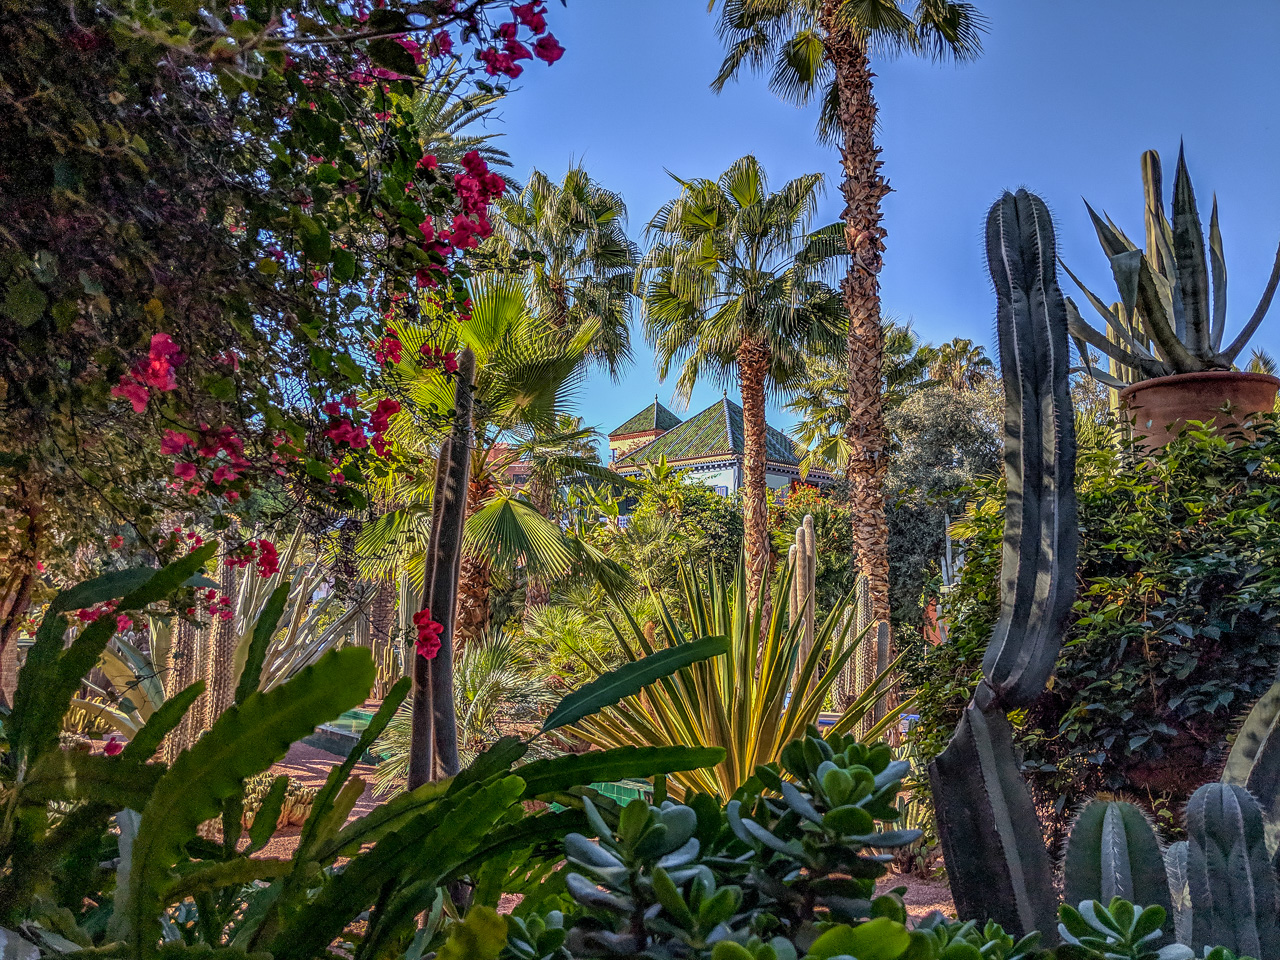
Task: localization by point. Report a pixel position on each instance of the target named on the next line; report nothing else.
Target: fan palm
(821, 402)
(961, 364)
(733, 290)
(821, 50)
(582, 266)
(526, 376)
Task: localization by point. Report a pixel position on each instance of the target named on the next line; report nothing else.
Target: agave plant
(1172, 312)
(752, 701)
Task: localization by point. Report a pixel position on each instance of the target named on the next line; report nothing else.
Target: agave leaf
(631, 678)
(1218, 271)
(1264, 305)
(1193, 269)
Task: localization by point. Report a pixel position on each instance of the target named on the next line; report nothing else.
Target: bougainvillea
(207, 222)
(428, 643)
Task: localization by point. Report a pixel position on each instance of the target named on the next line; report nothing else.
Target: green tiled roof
(653, 417)
(716, 431)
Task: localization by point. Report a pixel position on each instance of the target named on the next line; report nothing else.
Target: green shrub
(1177, 612)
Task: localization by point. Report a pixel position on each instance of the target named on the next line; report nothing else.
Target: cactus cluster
(802, 556)
(1220, 885)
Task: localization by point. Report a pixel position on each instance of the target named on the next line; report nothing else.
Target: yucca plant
(1172, 312)
(752, 701)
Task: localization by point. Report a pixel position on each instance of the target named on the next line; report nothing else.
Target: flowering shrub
(208, 221)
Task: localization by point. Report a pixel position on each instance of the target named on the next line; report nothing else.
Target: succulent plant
(997, 863)
(1112, 851)
(1118, 931)
(1172, 312)
(1231, 879)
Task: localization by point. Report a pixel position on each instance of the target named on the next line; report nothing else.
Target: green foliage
(66, 876)
(752, 701)
(1118, 931)
(673, 521)
(1175, 623)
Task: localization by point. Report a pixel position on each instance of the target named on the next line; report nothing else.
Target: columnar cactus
(996, 859)
(803, 600)
(1113, 852)
(1231, 880)
(1254, 762)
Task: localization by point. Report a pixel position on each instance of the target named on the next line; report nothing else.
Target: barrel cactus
(1113, 852)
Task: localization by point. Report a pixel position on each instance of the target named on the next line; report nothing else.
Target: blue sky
(1064, 100)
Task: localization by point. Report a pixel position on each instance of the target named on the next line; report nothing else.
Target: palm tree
(961, 364)
(821, 402)
(526, 375)
(734, 290)
(821, 50)
(582, 265)
(445, 121)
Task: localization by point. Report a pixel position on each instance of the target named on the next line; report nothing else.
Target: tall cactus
(1254, 761)
(1231, 880)
(996, 858)
(1113, 852)
(803, 556)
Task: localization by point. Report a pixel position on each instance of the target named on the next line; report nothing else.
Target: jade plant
(1172, 313)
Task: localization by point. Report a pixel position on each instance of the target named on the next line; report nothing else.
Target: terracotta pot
(1163, 405)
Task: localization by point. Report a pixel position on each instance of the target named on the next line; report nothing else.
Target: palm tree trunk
(753, 362)
(863, 189)
(476, 574)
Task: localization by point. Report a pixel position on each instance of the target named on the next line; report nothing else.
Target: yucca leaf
(631, 678)
(263, 630)
(1193, 270)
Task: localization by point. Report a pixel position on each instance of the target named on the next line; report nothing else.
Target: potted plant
(1164, 336)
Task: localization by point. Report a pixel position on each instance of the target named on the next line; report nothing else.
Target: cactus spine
(1113, 852)
(996, 859)
(1231, 880)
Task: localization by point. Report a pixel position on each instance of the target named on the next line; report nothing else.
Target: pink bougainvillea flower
(546, 48)
(116, 542)
(132, 391)
(184, 470)
(441, 44)
(113, 745)
(124, 622)
(531, 15)
(174, 442)
(507, 31)
(517, 50)
(388, 350)
(428, 643)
